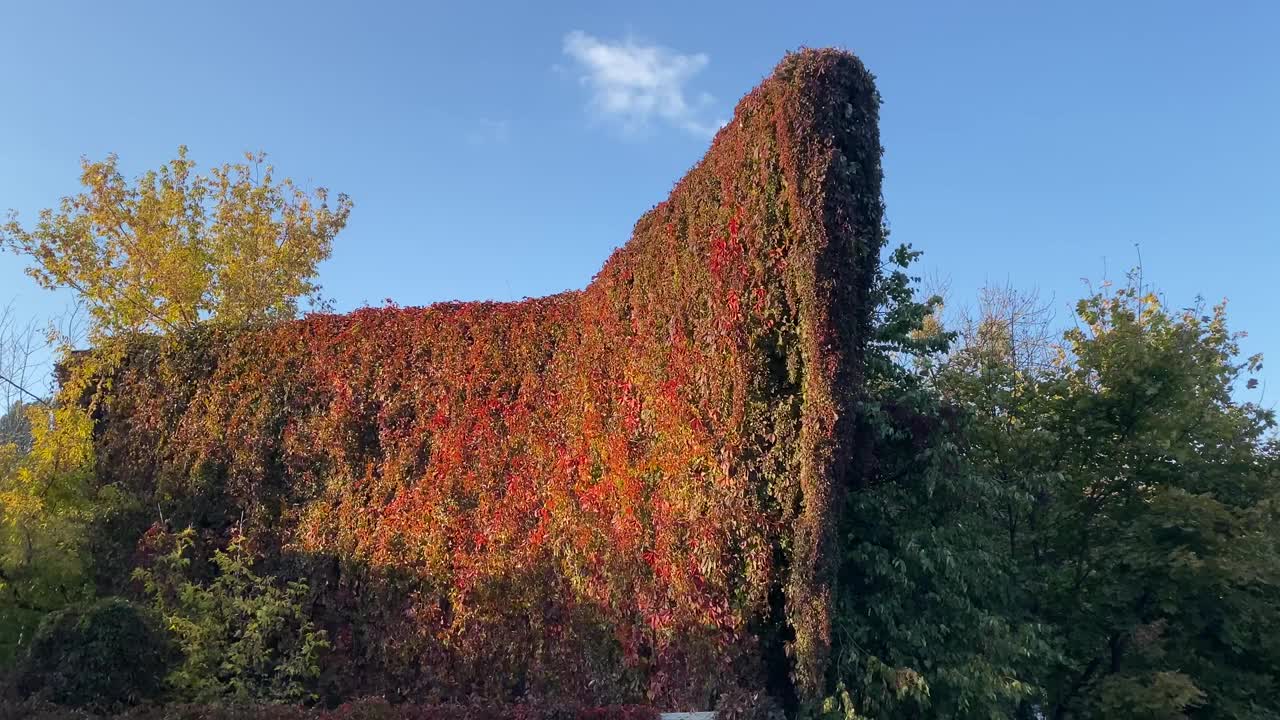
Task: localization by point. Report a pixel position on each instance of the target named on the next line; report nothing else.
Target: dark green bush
(102, 655)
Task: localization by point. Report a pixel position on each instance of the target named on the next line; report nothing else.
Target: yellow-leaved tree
(160, 254)
(175, 248)
(46, 499)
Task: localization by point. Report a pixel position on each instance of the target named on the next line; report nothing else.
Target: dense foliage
(747, 467)
(619, 494)
(106, 655)
(1140, 507)
(176, 247)
(245, 637)
(927, 623)
(47, 500)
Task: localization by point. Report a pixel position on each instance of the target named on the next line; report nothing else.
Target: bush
(244, 637)
(103, 655)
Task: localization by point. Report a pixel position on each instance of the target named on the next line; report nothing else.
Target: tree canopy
(175, 247)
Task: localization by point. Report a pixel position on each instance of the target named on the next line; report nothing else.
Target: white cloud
(634, 83)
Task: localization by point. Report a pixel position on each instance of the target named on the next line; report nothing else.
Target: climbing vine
(621, 492)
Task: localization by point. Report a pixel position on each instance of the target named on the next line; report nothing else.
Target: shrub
(244, 637)
(103, 655)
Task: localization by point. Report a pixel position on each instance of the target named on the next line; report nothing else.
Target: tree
(175, 248)
(15, 428)
(1141, 506)
(170, 251)
(104, 655)
(46, 500)
(925, 624)
(19, 348)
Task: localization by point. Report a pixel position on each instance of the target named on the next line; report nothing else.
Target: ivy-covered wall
(619, 494)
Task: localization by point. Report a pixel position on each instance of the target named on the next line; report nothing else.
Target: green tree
(15, 429)
(925, 623)
(1140, 501)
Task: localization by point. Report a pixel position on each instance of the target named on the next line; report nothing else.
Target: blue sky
(501, 151)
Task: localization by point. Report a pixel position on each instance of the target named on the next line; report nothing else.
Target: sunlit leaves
(46, 500)
(175, 247)
(618, 490)
(244, 637)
